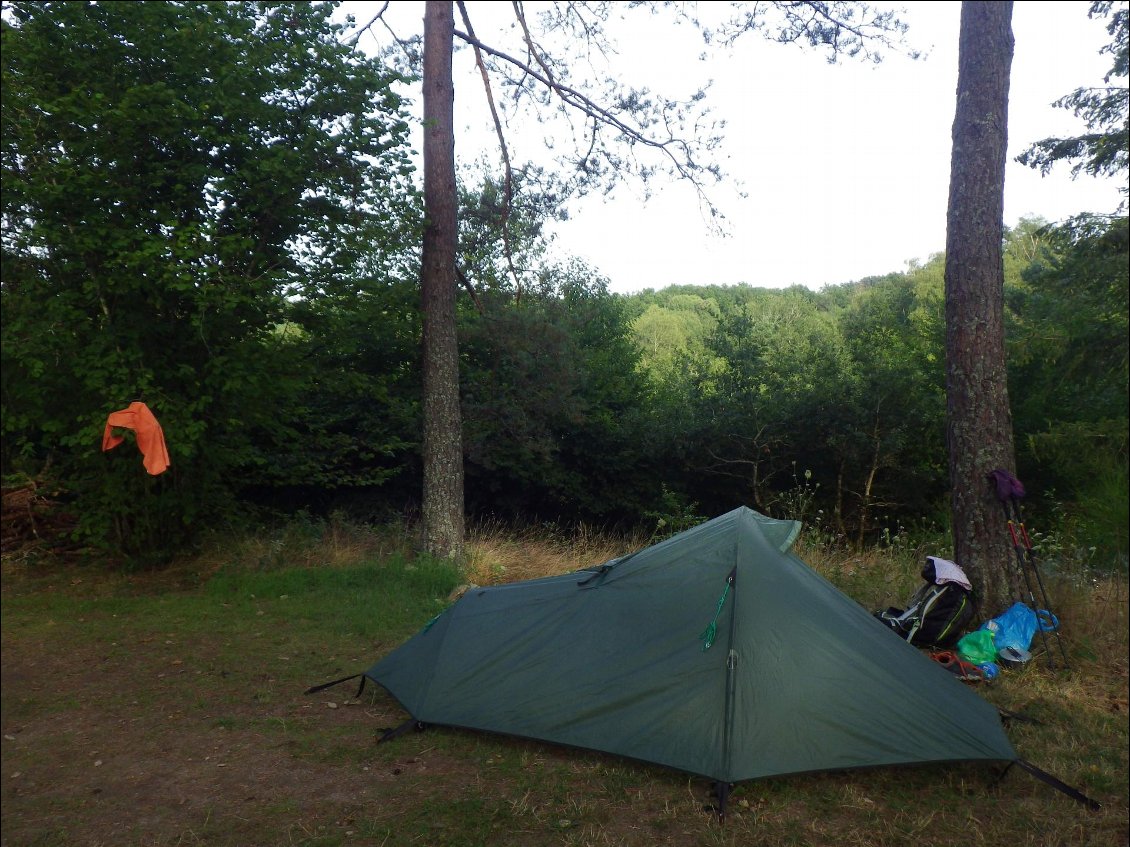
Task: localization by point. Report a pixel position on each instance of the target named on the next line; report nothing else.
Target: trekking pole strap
(1058, 785)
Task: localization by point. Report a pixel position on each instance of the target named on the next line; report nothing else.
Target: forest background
(212, 208)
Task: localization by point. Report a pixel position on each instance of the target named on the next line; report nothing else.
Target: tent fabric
(799, 676)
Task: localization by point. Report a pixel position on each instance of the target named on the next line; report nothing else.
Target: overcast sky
(845, 168)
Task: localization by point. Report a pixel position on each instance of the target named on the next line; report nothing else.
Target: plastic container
(990, 670)
(1013, 657)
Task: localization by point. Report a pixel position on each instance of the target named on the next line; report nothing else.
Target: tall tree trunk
(443, 425)
(978, 417)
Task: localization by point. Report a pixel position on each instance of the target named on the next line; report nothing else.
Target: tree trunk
(978, 418)
(443, 425)
(841, 527)
(869, 482)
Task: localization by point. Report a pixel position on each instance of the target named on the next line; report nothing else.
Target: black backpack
(937, 614)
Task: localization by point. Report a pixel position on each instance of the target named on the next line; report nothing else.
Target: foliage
(553, 405)
(893, 418)
(1104, 150)
(846, 383)
(682, 322)
(358, 432)
(173, 172)
(208, 207)
(1069, 350)
(1070, 318)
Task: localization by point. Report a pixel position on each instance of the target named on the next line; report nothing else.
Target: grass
(169, 709)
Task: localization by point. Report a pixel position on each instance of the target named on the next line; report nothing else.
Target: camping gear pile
(1005, 639)
(938, 613)
(716, 652)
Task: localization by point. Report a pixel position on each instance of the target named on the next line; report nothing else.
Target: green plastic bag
(977, 647)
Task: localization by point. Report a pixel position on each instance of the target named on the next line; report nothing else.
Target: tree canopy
(1102, 150)
(175, 174)
(211, 208)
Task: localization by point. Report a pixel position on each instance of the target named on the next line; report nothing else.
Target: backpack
(938, 612)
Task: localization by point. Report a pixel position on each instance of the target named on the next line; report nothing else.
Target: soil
(165, 744)
(99, 751)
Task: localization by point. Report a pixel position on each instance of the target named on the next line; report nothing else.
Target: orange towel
(150, 438)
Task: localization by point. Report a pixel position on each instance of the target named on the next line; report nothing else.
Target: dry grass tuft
(874, 577)
(496, 554)
(333, 543)
(1093, 615)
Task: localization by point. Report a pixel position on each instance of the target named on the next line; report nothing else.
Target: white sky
(845, 167)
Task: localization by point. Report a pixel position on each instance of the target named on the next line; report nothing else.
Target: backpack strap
(929, 599)
(945, 633)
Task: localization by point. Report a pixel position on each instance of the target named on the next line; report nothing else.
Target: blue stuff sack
(1017, 625)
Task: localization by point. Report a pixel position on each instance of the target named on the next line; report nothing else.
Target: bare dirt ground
(100, 769)
(157, 742)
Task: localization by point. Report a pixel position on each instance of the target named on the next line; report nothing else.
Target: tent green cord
(711, 631)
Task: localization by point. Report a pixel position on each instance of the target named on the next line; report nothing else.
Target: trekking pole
(1028, 583)
(1030, 558)
(1009, 492)
(1009, 488)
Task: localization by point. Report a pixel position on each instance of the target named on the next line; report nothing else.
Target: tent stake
(720, 793)
(410, 724)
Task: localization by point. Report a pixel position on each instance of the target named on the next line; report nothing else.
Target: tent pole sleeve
(1055, 783)
(601, 571)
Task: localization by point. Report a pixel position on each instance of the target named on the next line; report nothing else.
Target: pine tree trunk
(978, 417)
(443, 426)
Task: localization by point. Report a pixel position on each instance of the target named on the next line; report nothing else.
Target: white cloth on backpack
(947, 571)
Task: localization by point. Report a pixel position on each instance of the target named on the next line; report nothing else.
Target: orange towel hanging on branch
(150, 438)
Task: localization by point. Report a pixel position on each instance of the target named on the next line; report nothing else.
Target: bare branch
(508, 177)
(685, 168)
(377, 17)
(409, 47)
(846, 28)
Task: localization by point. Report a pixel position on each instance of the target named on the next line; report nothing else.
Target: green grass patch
(169, 708)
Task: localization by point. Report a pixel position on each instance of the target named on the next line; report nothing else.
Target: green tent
(717, 652)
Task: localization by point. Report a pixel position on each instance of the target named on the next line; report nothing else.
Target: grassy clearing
(168, 709)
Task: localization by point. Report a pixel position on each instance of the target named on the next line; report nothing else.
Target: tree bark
(442, 509)
(978, 417)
